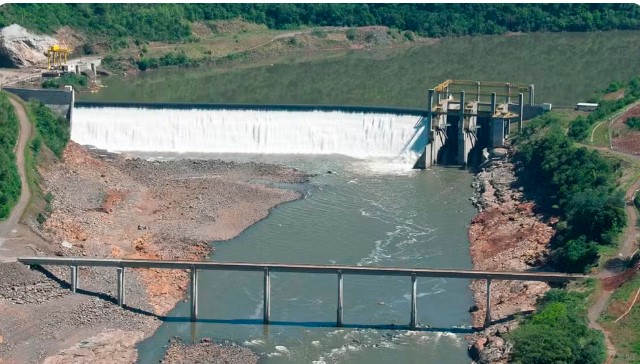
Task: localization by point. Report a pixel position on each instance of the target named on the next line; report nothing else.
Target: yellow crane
(55, 55)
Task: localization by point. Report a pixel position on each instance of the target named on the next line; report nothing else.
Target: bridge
(339, 270)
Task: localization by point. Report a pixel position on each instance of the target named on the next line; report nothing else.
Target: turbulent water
(368, 211)
(354, 134)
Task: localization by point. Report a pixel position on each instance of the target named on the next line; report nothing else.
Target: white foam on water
(390, 142)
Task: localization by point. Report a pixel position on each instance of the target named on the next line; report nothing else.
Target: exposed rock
(206, 351)
(20, 48)
(110, 346)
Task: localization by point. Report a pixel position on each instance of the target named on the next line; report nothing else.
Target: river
(359, 214)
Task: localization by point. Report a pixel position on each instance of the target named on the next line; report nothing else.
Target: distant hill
(173, 22)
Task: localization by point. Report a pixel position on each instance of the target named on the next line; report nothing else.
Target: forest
(172, 22)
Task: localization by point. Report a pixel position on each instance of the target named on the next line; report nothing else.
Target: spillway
(361, 135)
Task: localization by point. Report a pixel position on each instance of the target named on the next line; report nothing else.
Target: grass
(625, 334)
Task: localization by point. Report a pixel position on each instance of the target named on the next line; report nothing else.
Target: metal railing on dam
(267, 268)
(264, 107)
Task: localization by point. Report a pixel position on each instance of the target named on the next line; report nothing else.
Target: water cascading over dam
(357, 134)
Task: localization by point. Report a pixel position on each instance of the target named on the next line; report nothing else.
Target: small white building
(586, 106)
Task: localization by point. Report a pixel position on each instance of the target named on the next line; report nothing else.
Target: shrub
(319, 33)
(558, 333)
(408, 35)
(352, 34)
(9, 178)
(634, 122)
(52, 129)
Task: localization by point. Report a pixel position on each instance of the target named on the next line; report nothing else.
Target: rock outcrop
(20, 48)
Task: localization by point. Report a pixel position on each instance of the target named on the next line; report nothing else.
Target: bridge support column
(487, 316)
(267, 297)
(121, 282)
(521, 111)
(531, 95)
(194, 294)
(74, 278)
(340, 299)
(414, 295)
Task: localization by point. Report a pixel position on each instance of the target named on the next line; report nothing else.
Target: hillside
(163, 22)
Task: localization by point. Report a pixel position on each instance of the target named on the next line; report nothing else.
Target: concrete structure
(59, 101)
(82, 65)
(465, 117)
(267, 268)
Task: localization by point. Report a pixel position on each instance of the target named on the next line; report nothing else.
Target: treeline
(580, 128)
(9, 178)
(558, 332)
(165, 22)
(578, 184)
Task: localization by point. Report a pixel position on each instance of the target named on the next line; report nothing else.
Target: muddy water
(364, 213)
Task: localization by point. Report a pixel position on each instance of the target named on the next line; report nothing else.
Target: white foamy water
(358, 135)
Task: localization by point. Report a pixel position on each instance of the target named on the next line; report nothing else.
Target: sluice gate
(465, 117)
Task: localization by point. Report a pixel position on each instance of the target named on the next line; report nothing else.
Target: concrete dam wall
(397, 135)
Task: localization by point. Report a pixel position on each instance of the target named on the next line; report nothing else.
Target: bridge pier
(121, 282)
(74, 278)
(194, 294)
(487, 317)
(267, 297)
(414, 295)
(340, 298)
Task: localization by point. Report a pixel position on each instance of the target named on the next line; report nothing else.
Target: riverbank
(108, 205)
(507, 234)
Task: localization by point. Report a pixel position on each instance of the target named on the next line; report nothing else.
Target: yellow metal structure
(55, 56)
(508, 89)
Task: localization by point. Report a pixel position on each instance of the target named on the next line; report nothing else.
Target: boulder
(20, 48)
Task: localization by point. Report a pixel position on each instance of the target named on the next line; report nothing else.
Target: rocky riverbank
(208, 352)
(506, 235)
(107, 205)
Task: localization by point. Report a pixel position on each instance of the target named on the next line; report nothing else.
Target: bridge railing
(340, 270)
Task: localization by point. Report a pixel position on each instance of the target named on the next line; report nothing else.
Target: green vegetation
(634, 122)
(9, 178)
(578, 184)
(558, 332)
(162, 22)
(169, 59)
(625, 334)
(581, 127)
(52, 129)
(71, 79)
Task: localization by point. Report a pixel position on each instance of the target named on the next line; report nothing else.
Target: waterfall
(360, 135)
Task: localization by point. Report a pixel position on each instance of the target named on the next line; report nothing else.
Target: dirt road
(8, 227)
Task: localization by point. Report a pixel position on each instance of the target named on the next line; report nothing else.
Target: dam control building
(465, 117)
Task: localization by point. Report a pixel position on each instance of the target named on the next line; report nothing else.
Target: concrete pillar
(493, 103)
(194, 294)
(77, 67)
(414, 295)
(531, 95)
(93, 69)
(267, 297)
(521, 110)
(462, 135)
(74, 278)
(508, 97)
(340, 299)
(478, 91)
(121, 283)
(487, 317)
